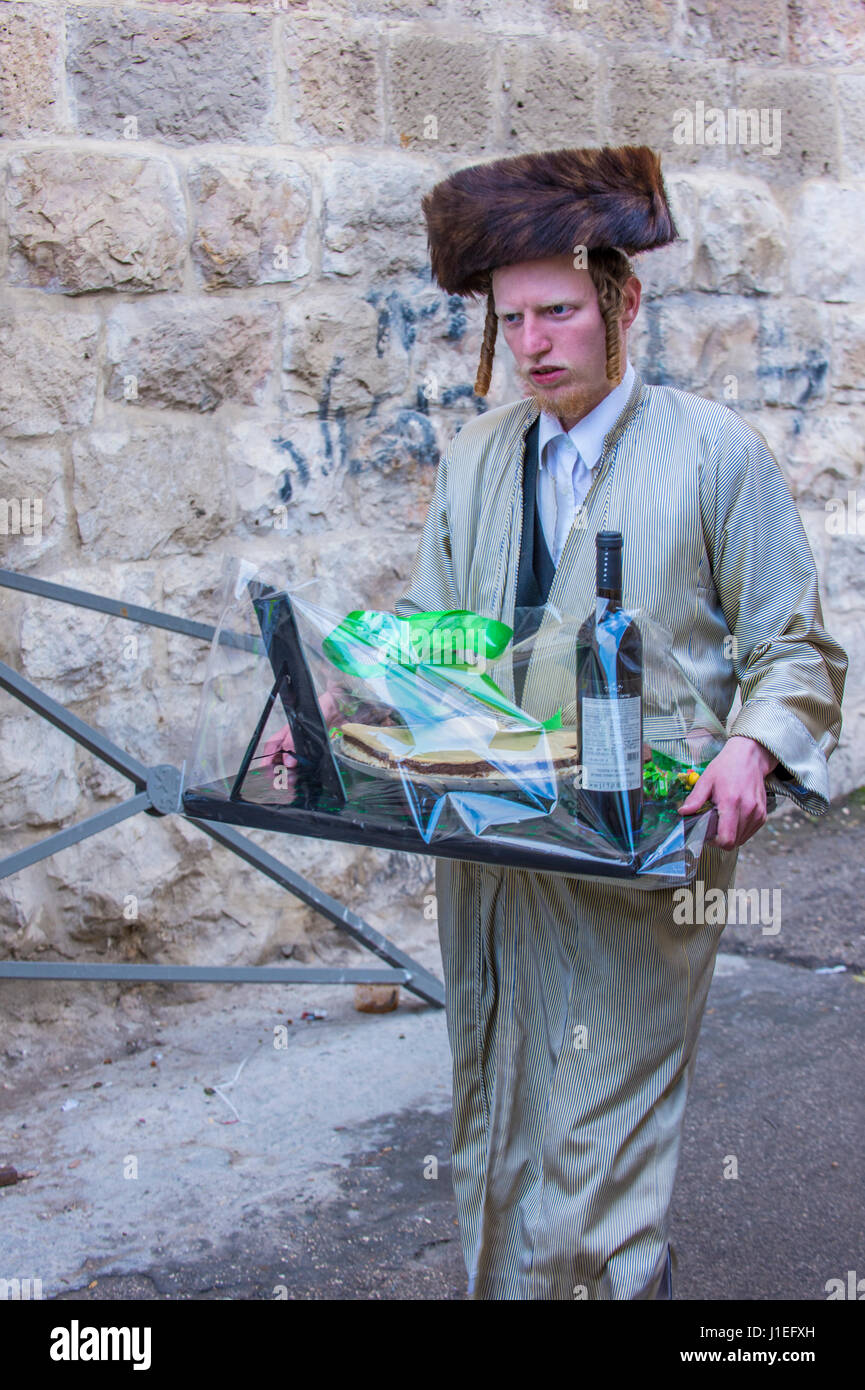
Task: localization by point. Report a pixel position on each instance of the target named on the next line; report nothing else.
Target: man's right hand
(280, 748)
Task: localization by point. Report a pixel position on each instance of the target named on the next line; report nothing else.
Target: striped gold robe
(574, 1008)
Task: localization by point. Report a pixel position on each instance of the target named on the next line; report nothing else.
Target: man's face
(548, 314)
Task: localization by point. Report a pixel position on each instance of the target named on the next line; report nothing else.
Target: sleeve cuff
(802, 773)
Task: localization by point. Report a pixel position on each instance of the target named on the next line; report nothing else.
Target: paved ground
(322, 1168)
(816, 868)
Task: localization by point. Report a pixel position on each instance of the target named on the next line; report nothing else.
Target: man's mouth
(546, 373)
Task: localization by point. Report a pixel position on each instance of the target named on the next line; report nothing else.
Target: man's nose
(536, 338)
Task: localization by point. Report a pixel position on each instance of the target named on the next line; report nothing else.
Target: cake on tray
(529, 753)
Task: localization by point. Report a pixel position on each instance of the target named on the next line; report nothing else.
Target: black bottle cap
(609, 561)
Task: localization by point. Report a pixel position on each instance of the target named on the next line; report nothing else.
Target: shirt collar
(589, 433)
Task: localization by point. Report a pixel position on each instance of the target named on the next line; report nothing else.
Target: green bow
(444, 646)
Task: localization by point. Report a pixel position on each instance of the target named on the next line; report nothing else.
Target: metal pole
(157, 792)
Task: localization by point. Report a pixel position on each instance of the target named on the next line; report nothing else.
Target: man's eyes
(510, 318)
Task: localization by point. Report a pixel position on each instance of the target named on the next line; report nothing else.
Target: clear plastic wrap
(423, 746)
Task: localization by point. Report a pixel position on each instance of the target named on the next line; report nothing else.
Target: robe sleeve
(432, 586)
(791, 673)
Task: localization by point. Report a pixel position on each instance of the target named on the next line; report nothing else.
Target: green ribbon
(443, 646)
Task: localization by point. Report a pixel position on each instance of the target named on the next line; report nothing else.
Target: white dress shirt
(567, 462)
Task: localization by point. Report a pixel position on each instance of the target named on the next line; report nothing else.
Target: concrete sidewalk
(323, 1188)
(780, 1089)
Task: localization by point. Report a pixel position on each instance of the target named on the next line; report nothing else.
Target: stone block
(334, 74)
(663, 103)
(340, 353)
(279, 478)
(799, 114)
(190, 353)
(387, 461)
(599, 25)
(430, 10)
(31, 71)
(251, 217)
(704, 344)
(186, 79)
(819, 450)
(47, 370)
(756, 34)
(820, 35)
(79, 654)
(38, 775)
(848, 353)
(742, 246)
(177, 468)
(372, 217)
(825, 226)
(445, 334)
(842, 588)
(551, 94)
(851, 119)
(669, 269)
(82, 221)
(441, 96)
(33, 516)
(628, 22)
(795, 350)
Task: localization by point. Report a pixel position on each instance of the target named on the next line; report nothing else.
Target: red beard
(566, 403)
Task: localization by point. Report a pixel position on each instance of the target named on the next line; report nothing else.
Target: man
(564, 1156)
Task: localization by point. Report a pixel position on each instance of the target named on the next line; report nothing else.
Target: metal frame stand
(158, 793)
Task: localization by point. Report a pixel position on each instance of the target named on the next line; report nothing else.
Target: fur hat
(545, 204)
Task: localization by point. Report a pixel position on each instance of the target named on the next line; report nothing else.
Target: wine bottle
(610, 706)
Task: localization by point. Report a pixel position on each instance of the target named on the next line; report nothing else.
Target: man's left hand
(734, 782)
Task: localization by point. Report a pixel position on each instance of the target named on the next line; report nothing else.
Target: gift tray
(511, 820)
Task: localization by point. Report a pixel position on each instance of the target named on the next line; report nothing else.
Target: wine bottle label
(612, 752)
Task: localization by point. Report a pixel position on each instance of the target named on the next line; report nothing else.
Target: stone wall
(219, 337)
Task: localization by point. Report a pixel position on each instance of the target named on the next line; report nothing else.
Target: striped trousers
(573, 1012)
